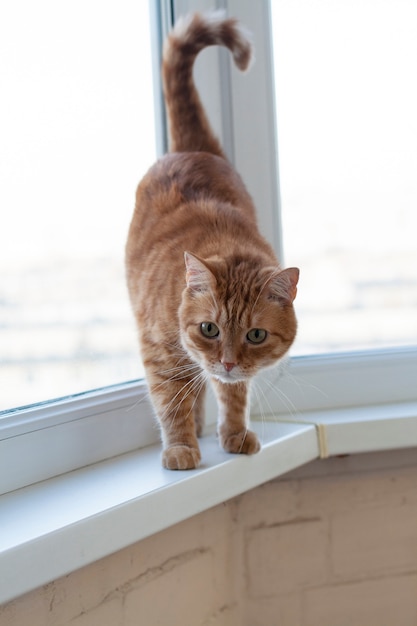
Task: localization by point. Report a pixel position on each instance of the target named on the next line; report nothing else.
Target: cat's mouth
(234, 376)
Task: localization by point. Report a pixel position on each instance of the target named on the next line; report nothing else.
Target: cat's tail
(190, 130)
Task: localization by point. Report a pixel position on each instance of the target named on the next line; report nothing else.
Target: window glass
(347, 128)
(77, 134)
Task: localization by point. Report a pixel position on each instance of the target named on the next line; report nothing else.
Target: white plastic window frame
(56, 437)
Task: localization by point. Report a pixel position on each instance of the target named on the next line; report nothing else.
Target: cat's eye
(210, 330)
(256, 335)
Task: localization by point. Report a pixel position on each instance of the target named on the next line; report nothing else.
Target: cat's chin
(230, 377)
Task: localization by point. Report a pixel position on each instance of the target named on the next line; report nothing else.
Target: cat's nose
(228, 366)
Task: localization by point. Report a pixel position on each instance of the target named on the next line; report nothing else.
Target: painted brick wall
(334, 544)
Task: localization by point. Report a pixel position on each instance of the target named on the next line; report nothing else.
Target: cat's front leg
(234, 435)
(175, 402)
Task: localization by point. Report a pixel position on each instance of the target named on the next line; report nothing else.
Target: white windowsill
(57, 526)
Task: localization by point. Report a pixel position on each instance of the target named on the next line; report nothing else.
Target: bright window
(347, 133)
(65, 322)
(77, 134)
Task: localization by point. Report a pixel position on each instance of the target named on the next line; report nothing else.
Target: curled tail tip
(243, 54)
(214, 28)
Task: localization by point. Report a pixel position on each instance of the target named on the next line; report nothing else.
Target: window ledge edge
(62, 524)
(57, 526)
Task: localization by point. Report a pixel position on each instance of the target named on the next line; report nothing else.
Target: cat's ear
(283, 286)
(198, 276)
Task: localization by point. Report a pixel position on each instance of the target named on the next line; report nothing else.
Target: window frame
(59, 436)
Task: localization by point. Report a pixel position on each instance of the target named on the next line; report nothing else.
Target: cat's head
(236, 315)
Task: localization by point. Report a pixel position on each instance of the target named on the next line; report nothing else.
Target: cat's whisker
(137, 403)
(193, 384)
(243, 441)
(290, 406)
(181, 369)
(196, 388)
(263, 400)
(302, 385)
(283, 370)
(199, 388)
(168, 406)
(176, 380)
(259, 409)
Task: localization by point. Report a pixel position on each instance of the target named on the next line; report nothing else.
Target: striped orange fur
(209, 297)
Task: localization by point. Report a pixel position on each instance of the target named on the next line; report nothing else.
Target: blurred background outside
(77, 129)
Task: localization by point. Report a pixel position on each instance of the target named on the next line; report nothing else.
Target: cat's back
(184, 191)
(190, 176)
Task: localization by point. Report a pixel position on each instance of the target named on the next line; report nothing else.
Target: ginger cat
(209, 297)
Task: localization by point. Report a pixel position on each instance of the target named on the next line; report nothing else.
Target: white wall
(331, 544)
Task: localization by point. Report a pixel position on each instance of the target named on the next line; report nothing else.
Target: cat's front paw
(180, 457)
(243, 442)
